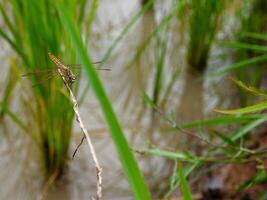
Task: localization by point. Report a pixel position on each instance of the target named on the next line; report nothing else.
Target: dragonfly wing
(74, 65)
(79, 65)
(50, 76)
(39, 72)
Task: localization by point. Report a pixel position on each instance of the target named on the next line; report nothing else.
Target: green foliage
(184, 184)
(260, 177)
(249, 109)
(32, 29)
(204, 22)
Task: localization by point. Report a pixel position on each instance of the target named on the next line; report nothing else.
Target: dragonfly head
(72, 78)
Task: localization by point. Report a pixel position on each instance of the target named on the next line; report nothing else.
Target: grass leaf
(221, 121)
(248, 109)
(246, 46)
(250, 89)
(239, 65)
(130, 167)
(184, 184)
(248, 127)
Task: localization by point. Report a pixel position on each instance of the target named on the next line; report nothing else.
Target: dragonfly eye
(72, 79)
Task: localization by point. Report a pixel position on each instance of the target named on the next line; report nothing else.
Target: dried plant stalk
(67, 83)
(89, 141)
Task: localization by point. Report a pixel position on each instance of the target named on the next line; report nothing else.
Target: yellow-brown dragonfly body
(63, 69)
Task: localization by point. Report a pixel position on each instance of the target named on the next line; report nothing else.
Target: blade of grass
(187, 171)
(165, 21)
(130, 167)
(169, 154)
(258, 36)
(184, 184)
(146, 7)
(90, 19)
(245, 129)
(226, 139)
(250, 89)
(13, 45)
(9, 89)
(246, 46)
(221, 121)
(248, 109)
(14, 117)
(239, 65)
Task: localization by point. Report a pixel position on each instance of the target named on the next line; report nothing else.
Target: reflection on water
(125, 85)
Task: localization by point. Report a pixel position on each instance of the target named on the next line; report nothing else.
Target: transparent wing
(50, 76)
(39, 72)
(78, 66)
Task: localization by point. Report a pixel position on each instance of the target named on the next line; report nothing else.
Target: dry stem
(88, 139)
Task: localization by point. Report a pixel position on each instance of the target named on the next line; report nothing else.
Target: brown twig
(88, 139)
(80, 144)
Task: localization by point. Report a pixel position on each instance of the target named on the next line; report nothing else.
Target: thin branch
(80, 144)
(88, 139)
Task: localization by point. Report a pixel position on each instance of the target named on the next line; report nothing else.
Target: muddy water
(125, 85)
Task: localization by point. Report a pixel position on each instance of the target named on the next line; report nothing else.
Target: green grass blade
(245, 129)
(13, 45)
(187, 172)
(258, 36)
(184, 184)
(246, 46)
(248, 109)
(221, 121)
(14, 117)
(130, 167)
(169, 154)
(250, 89)
(164, 22)
(91, 19)
(134, 19)
(8, 91)
(226, 139)
(239, 65)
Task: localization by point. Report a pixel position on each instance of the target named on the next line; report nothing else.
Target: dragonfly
(60, 69)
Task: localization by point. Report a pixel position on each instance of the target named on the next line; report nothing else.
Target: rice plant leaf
(187, 171)
(149, 101)
(225, 138)
(260, 177)
(14, 117)
(250, 89)
(248, 109)
(129, 164)
(163, 23)
(134, 19)
(169, 154)
(184, 184)
(239, 65)
(258, 36)
(240, 45)
(13, 45)
(221, 121)
(8, 91)
(245, 129)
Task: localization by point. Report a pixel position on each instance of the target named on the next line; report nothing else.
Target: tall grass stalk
(32, 29)
(130, 167)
